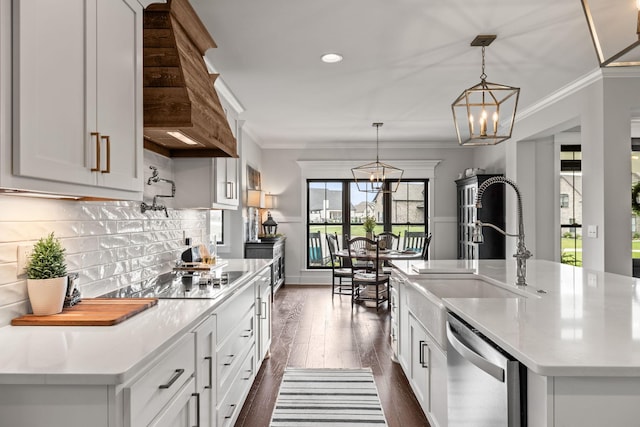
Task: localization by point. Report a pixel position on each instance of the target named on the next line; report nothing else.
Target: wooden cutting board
(90, 312)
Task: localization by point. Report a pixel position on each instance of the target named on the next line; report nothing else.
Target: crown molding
(577, 85)
(361, 145)
(560, 94)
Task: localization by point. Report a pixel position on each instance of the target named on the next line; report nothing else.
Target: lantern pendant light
(613, 49)
(484, 114)
(371, 177)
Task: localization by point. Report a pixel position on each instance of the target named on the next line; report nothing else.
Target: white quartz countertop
(586, 324)
(105, 354)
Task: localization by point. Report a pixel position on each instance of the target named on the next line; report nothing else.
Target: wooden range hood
(179, 98)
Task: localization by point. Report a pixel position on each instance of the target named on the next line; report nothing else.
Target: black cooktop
(180, 286)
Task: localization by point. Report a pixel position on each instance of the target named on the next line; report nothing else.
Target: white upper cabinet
(226, 187)
(209, 183)
(77, 97)
(226, 193)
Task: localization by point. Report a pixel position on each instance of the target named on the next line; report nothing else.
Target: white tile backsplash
(110, 244)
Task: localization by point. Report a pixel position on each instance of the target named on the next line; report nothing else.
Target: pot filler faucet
(522, 254)
(155, 206)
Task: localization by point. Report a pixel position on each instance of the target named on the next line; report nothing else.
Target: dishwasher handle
(494, 370)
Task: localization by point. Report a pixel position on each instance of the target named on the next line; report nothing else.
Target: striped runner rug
(328, 397)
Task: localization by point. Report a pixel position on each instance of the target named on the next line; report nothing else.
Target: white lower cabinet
(156, 388)
(205, 339)
(236, 392)
(400, 320)
(427, 372)
(235, 354)
(263, 315)
(419, 362)
(394, 306)
(423, 361)
(200, 380)
(438, 379)
(181, 411)
(40, 405)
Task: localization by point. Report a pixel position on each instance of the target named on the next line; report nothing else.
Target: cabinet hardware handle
(247, 336)
(264, 310)
(259, 314)
(197, 396)
(423, 344)
(229, 190)
(210, 359)
(107, 139)
(250, 371)
(232, 406)
(231, 356)
(176, 375)
(97, 135)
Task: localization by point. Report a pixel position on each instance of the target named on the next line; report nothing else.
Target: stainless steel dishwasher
(486, 386)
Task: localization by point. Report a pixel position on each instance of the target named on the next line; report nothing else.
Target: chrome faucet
(155, 206)
(522, 254)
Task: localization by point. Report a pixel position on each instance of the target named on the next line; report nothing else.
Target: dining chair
(425, 247)
(417, 241)
(391, 241)
(315, 249)
(414, 241)
(370, 284)
(338, 270)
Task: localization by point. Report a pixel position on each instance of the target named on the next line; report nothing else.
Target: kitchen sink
(427, 306)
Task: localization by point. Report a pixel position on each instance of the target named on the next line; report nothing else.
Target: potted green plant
(47, 276)
(369, 225)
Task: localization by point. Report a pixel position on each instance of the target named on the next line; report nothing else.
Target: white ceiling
(405, 61)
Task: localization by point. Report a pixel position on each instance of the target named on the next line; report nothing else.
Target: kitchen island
(54, 375)
(577, 332)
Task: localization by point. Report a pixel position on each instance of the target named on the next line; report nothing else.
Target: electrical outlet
(24, 252)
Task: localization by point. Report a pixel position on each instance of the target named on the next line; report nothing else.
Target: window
(325, 200)
(337, 207)
(216, 226)
(571, 204)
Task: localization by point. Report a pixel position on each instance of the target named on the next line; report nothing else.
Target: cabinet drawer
(179, 411)
(231, 404)
(149, 394)
(233, 311)
(234, 348)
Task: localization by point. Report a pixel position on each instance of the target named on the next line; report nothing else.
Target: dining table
(383, 255)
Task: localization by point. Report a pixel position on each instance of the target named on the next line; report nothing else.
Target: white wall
(282, 176)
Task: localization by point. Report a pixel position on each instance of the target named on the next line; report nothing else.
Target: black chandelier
(371, 177)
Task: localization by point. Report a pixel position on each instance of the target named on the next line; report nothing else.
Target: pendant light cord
(377, 141)
(483, 76)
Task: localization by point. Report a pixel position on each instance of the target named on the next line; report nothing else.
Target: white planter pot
(47, 295)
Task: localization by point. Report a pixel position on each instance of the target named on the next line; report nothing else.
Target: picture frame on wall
(253, 183)
(253, 178)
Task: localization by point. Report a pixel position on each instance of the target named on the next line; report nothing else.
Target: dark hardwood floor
(310, 329)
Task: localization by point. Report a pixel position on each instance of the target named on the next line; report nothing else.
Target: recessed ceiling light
(331, 58)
